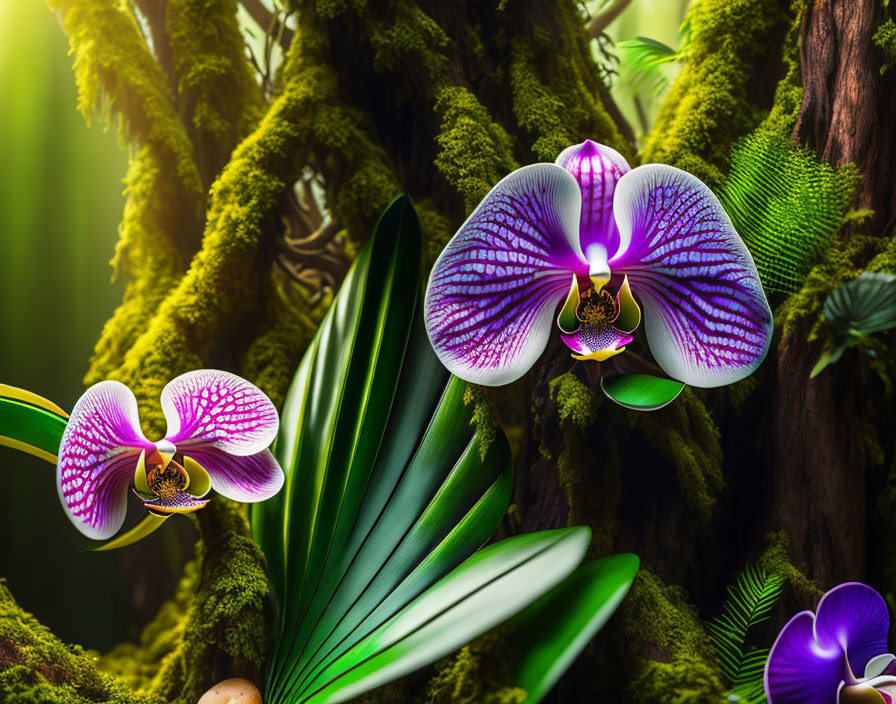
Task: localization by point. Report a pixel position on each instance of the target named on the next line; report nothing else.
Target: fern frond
(786, 205)
(748, 603)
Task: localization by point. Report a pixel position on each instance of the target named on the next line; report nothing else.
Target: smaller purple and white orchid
(603, 237)
(219, 428)
(816, 657)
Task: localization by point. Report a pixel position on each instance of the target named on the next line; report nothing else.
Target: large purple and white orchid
(603, 237)
(816, 657)
(219, 427)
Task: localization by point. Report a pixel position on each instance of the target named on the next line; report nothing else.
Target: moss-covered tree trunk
(225, 254)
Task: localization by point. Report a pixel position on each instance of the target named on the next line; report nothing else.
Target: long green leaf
(30, 423)
(483, 592)
(552, 632)
(388, 494)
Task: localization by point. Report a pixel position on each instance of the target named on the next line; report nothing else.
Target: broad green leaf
(483, 592)
(552, 632)
(860, 307)
(865, 305)
(30, 423)
(641, 392)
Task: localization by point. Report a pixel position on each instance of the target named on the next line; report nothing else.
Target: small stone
(233, 691)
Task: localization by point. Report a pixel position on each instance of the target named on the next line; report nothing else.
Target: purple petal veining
(209, 408)
(249, 478)
(494, 291)
(707, 320)
(97, 458)
(597, 168)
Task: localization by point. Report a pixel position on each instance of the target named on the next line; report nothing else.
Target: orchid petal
(566, 319)
(707, 320)
(855, 617)
(247, 479)
(629, 316)
(494, 291)
(97, 456)
(597, 168)
(878, 664)
(145, 527)
(801, 670)
(200, 481)
(211, 408)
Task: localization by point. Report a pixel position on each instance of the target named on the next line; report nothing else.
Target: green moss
(484, 417)
(885, 38)
(668, 652)
(553, 80)
(477, 674)
(36, 667)
(475, 152)
(776, 560)
(591, 482)
(708, 106)
(219, 98)
(136, 664)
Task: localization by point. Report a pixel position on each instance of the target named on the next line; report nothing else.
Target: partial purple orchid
(816, 657)
(219, 427)
(598, 237)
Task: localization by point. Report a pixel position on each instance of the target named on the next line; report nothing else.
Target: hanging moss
(36, 667)
(115, 71)
(668, 653)
(477, 674)
(708, 106)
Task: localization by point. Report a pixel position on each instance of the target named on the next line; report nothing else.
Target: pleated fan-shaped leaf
(372, 543)
(786, 205)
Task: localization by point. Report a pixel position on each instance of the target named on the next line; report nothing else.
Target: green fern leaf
(786, 205)
(749, 602)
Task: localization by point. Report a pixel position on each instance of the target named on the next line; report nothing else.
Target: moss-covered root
(37, 668)
(668, 654)
(223, 634)
(478, 674)
(708, 107)
(776, 560)
(592, 483)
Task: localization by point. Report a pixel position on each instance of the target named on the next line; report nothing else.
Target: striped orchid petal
(707, 320)
(248, 479)
(597, 168)
(210, 408)
(97, 458)
(494, 291)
